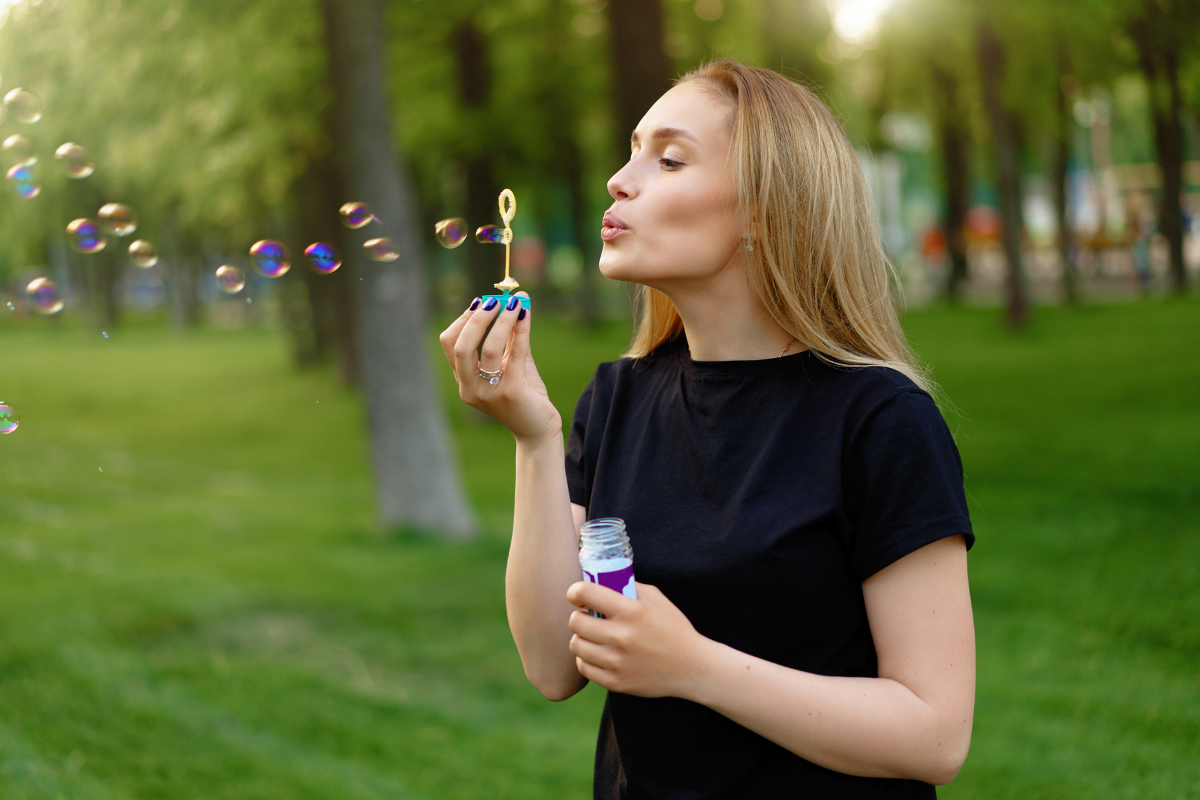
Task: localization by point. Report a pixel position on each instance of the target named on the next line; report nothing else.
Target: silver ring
(491, 377)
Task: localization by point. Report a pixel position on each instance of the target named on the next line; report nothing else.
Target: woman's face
(674, 220)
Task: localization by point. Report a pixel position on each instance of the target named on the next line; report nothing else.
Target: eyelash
(670, 163)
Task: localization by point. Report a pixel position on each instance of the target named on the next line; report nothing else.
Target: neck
(724, 319)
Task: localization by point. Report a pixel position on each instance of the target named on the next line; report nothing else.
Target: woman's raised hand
(519, 400)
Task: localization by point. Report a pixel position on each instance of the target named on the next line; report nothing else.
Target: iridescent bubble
(451, 232)
(493, 234)
(322, 257)
(271, 258)
(11, 306)
(20, 150)
(104, 334)
(118, 219)
(44, 295)
(230, 279)
(24, 106)
(23, 181)
(356, 215)
(381, 249)
(142, 253)
(86, 236)
(10, 419)
(75, 160)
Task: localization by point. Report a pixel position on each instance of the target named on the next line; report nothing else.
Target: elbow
(556, 688)
(948, 760)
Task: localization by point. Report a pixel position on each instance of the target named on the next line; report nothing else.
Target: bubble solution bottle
(606, 555)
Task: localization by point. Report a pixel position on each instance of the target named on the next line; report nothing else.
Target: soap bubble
(356, 215)
(75, 160)
(118, 219)
(104, 334)
(86, 236)
(10, 305)
(10, 419)
(44, 295)
(271, 258)
(381, 249)
(493, 234)
(24, 182)
(24, 106)
(230, 279)
(142, 253)
(20, 150)
(322, 257)
(451, 232)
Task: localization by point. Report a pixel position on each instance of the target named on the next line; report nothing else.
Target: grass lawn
(196, 602)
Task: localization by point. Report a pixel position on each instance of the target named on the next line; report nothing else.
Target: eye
(670, 164)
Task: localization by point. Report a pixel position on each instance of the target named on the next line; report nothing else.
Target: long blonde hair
(817, 264)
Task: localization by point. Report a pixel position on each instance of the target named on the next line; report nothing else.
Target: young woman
(794, 499)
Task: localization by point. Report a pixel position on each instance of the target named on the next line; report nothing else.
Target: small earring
(749, 246)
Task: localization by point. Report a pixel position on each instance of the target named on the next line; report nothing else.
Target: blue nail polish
(512, 303)
(490, 304)
(474, 304)
(521, 316)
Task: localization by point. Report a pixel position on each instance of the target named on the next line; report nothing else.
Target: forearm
(874, 727)
(543, 561)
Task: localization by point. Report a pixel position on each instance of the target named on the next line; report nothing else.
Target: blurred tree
(992, 57)
(416, 480)
(641, 71)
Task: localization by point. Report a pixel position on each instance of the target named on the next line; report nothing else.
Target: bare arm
(913, 721)
(543, 559)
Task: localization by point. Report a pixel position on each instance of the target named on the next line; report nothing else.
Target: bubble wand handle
(508, 209)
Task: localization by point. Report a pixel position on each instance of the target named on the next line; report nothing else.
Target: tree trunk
(641, 71)
(1008, 168)
(956, 176)
(1161, 67)
(180, 277)
(1060, 183)
(415, 470)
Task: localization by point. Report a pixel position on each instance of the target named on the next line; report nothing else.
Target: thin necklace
(785, 348)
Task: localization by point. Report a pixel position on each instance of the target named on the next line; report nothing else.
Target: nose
(620, 185)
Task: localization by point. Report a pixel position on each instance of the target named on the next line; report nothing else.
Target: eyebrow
(667, 133)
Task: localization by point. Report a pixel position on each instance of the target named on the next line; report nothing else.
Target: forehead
(691, 107)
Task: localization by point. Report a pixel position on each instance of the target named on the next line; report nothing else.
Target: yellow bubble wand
(494, 234)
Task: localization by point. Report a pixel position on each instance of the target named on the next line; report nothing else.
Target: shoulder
(614, 377)
(875, 397)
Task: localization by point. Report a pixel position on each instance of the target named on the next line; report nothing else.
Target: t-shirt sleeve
(577, 471)
(903, 484)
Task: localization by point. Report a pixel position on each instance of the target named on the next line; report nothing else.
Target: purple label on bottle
(615, 574)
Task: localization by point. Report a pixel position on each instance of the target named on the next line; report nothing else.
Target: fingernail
(474, 304)
(490, 304)
(512, 303)
(521, 316)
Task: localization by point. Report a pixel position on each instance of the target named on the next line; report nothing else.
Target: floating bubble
(142, 253)
(24, 106)
(20, 150)
(230, 279)
(86, 236)
(10, 305)
(493, 234)
(75, 160)
(118, 219)
(10, 419)
(24, 182)
(322, 257)
(44, 295)
(271, 258)
(356, 215)
(104, 334)
(451, 232)
(381, 249)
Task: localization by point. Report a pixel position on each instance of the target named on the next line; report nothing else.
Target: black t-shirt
(758, 495)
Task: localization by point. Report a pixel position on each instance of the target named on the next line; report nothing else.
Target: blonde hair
(817, 264)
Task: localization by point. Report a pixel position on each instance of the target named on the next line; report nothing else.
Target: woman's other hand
(644, 647)
(519, 401)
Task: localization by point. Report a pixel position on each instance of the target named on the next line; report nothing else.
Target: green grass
(196, 601)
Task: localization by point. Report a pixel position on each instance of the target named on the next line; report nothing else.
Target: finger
(595, 654)
(491, 355)
(518, 342)
(466, 348)
(592, 672)
(600, 598)
(451, 334)
(594, 629)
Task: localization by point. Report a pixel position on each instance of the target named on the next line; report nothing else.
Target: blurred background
(252, 546)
